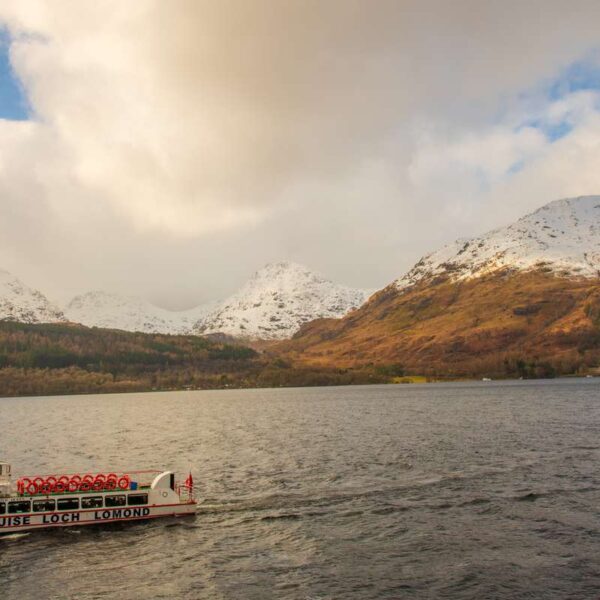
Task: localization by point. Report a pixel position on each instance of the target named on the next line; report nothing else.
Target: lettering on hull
(68, 518)
(16, 521)
(120, 513)
(62, 518)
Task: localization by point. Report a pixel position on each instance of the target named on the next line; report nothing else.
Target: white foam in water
(13, 536)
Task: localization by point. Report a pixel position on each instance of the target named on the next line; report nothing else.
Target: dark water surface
(481, 490)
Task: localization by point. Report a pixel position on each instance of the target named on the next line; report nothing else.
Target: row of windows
(51, 505)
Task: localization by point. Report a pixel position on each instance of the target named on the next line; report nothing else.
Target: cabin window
(2, 508)
(91, 502)
(19, 506)
(114, 501)
(43, 506)
(68, 503)
(137, 499)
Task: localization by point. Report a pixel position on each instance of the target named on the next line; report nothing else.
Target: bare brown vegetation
(506, 324)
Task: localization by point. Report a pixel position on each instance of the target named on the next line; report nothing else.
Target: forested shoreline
(46, 359)
(49, 359)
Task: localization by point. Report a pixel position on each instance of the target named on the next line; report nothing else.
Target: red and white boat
(64, 500)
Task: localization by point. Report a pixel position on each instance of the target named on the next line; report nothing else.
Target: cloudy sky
(168, 149)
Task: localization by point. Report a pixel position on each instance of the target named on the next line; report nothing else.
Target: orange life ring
(32, 488)
(85, 486)
(124, 482)
(60, 487)
(110, 484)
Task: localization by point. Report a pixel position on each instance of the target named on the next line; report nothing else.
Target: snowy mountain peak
(563, 236)
(18, 302)
(277, 300)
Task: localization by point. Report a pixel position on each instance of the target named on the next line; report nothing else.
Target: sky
(169, 149)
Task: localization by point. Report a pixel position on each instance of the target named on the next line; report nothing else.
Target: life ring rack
(61, 484)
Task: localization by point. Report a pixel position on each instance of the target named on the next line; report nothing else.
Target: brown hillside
(505, 323)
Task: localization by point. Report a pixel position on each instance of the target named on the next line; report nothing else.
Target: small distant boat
(63, 500)
(486, 379)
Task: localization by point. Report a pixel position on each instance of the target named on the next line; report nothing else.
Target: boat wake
(13, 536)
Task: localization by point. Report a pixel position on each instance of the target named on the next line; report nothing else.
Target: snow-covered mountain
(18, 302)
(562, 236)
(277, 300)
(101, 309)
(272, 305)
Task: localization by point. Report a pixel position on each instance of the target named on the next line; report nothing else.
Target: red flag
(189, 482)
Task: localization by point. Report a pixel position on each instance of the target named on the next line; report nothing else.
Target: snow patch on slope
(563, 236)
(277, 300)
(18, 302)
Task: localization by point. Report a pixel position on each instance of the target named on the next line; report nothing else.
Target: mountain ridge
(563, 235)
(561, 238)
(528, 294)
(273, 304)
(130, 313)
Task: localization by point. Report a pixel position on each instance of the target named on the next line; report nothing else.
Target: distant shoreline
(291, 387)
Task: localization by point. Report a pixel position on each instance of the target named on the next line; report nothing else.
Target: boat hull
(35, 521)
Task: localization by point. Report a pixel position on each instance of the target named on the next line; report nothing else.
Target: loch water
(459, 490)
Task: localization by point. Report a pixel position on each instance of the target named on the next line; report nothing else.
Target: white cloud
(193, 140)
(487, 155)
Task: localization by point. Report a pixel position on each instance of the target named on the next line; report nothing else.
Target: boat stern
(165, 490)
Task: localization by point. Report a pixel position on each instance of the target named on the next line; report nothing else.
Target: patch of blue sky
(552, 130)
(13, 101)
(582, 75)
(579, 76)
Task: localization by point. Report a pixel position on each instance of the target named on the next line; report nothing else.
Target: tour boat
(63, 500)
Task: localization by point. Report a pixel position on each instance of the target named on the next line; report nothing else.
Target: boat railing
(149, 474)
(185, 492)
